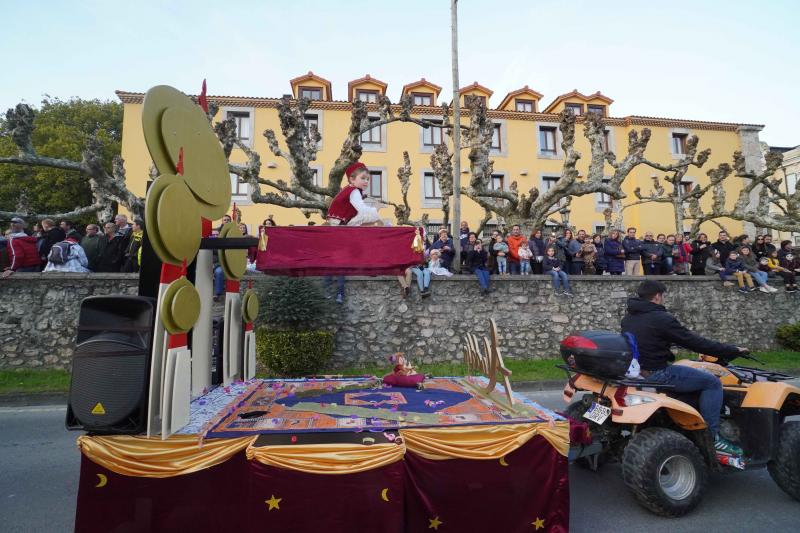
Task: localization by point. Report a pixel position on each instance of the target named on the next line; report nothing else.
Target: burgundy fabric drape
(412, 495)
(470, 495)
(337, 250)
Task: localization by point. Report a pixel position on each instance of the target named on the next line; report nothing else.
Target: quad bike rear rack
(626, 382)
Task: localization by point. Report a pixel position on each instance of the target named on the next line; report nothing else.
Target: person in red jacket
(348, 208)
(514, 240)
(22, 252)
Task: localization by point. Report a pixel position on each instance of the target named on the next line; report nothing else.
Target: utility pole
(455, 220)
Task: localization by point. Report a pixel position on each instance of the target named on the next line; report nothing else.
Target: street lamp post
(455, 220)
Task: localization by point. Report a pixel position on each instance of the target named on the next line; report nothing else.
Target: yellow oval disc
(233, 262)
(204, 166)
(185, 307)
(156, 101)
(166, 306)
(151, 216)
(250, 306)
(178, 222)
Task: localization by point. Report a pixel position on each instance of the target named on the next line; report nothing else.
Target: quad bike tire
(665, 471)
(785, 467)
(576, 411)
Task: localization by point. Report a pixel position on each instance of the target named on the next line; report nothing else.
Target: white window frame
(384, 187)
(250, 111)
(680, 131)
(599, 206)
(503, 151)
(569, 105)
(369, 93)
(523, 101)
(612, 140)
(428, 203)
(319, 114)
(243, 198)
(791, 182)
(375, 147)
(428, 149)
(558, 139)
(421, 94)
(546, 177)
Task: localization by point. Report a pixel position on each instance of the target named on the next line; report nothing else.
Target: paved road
(39, 475)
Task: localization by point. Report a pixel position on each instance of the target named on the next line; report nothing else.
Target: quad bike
(660, 437)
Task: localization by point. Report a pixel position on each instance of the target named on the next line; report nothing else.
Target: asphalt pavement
(39, 465)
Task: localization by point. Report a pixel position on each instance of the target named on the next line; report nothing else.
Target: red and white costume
(349, 208)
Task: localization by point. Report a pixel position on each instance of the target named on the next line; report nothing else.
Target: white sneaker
(764, 289)
(771, 288)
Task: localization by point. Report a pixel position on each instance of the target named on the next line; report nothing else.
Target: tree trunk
(456, 133)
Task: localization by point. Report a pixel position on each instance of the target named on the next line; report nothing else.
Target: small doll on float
(349, 208)
(403, 374)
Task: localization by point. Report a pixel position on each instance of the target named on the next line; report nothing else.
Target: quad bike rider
(651, 422)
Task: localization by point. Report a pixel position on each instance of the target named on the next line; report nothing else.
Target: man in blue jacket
(656, 330)
(633, 253)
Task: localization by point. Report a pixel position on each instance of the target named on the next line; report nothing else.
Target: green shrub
(293, 353)
(291, 303)
(788, 336)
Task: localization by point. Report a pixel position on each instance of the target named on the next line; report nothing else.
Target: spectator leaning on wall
(21, 250)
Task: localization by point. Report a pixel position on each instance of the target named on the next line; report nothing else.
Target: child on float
(525, 255)
(555, 267)
(501, 249)
(348, 207)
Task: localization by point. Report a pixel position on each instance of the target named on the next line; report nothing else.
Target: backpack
(59, 253)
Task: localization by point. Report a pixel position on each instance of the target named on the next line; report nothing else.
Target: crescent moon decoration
(103, 480)
(385, 494)
(503, 461)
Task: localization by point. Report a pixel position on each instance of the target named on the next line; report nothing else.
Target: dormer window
(475, 98)
(524, 106)
(312, 93)
(599, 109)
(370, 97)
(577, 109)
(422, 98)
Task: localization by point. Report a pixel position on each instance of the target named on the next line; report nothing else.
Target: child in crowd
(501, 248)
(435, 264)
(735, 267)
(714, 267)
(775, 267)
(748, 259)
(525, 256)
(555, 267)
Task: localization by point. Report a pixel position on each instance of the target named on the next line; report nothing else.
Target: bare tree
(106, 188)
(533, 208)
(302, 144)
(775, 208)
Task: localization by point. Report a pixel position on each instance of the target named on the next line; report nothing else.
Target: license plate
(597, 413)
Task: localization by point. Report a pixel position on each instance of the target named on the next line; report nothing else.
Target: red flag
(202, 100)
(179, 166)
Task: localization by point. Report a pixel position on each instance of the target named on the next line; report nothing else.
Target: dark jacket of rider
(656, 330)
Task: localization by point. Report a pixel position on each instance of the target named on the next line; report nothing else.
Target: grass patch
(32, 380)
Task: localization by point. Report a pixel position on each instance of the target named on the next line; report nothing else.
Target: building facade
(789, 174)
(526, 148)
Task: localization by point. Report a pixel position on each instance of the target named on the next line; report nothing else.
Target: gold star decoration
(538, 523)
(434, 523)
(273, 503)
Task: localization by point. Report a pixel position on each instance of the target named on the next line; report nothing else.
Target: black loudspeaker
(111, 365)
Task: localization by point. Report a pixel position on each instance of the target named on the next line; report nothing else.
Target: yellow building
(527, 147)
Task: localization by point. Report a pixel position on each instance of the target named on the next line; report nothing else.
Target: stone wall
(38, 315)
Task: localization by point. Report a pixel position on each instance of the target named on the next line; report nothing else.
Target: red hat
(355, 167)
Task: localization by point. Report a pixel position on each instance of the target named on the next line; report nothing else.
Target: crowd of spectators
(738, 262)
(49, 247)
(561, 255)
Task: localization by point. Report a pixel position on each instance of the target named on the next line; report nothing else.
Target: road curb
(533, 386)
(31, 399)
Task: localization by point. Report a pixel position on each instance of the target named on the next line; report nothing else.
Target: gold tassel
(417, 245)
(262, 241)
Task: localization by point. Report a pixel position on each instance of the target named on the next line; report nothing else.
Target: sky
(729, 61)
